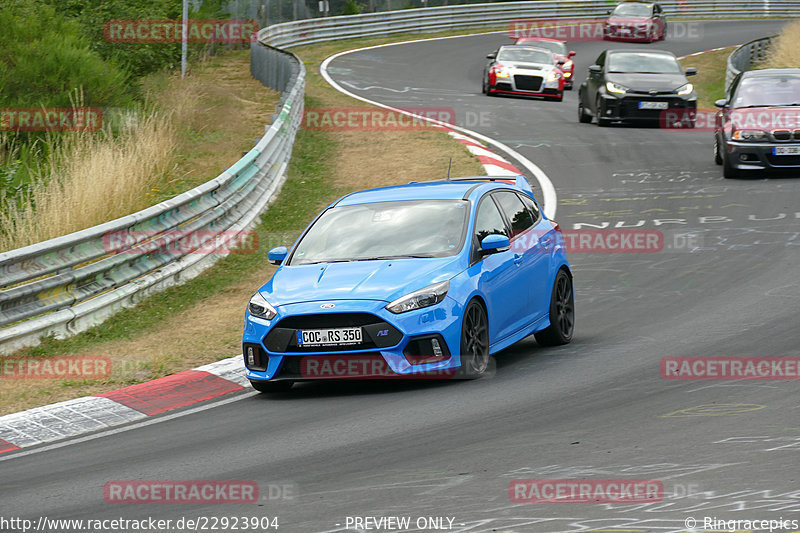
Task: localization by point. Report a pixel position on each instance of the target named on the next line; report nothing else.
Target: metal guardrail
(70, 283)
(500, 14)
(745, 56)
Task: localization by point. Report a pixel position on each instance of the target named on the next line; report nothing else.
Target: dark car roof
(640, 51)
(770, 72)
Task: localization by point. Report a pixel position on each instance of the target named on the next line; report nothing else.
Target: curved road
(596, 408)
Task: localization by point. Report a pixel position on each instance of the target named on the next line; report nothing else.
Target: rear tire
(266, 387)
(474, 342)
(562, 313)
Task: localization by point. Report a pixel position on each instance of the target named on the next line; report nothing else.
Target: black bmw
(638, 85)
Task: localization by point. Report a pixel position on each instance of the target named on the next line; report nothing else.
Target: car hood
(384, 280)
(521, 65)
(623, 21)
(648, 82)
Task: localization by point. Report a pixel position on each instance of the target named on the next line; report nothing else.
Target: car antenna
(449, 166)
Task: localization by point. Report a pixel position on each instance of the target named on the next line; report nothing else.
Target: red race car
(635, 21)
(561, 57)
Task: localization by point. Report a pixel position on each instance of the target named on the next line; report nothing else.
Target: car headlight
(260, 307)
(749, 135)
(554, 75)
(501, 72)
(615, 88)
(568, 65)
(685, 89)
(426, 297)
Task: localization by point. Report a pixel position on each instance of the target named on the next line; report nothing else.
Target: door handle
(517, 259)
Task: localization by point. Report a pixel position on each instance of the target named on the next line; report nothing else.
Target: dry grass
(786, 51)
(189, 132)
(93, 177)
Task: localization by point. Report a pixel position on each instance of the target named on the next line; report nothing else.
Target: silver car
(523, 71)
(757, 128)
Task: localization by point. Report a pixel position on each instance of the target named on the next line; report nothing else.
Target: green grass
(710, 79)
(305, 191)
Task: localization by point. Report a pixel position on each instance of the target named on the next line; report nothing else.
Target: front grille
(297, 367)
(375, 332)
(782, 135)
(630, 108)
(528, 83)
(784, 160)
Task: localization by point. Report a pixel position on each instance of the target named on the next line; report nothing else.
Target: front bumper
(526, 85)
(626, 107)
(756, 156)
(628, 33)
(394, 349)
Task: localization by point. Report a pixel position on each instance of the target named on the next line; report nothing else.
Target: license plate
(786, 150)
(653, 105)
(328, 337)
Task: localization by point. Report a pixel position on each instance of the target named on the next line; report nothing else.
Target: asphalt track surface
(596, 408)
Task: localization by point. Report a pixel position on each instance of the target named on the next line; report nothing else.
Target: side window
(517, 214)
(488, 220)
(601, 60)
(532, 207)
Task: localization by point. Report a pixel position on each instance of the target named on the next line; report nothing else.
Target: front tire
(598, 111)
(266, 387)
(562, 313)
(727, 169)
(474, 342)
(717, 154)
(583, 116)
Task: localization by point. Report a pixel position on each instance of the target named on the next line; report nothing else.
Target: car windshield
(643, 62)
(632, 10)
(779, 90)
(554, 46)
(385, 230)
(525, 55)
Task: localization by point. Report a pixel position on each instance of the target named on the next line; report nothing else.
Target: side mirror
(277, 255)
(595, 69)
(690, 71)
(572, 53)
(494, 243)
(491, 56)
(721, 103)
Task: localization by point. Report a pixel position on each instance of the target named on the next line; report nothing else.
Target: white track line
(549, 197)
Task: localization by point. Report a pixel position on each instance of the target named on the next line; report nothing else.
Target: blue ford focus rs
(420, 280)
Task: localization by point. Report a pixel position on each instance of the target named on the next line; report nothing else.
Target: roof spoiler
(519, 180)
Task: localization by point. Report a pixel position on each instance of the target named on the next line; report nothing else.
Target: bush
(44, 60)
